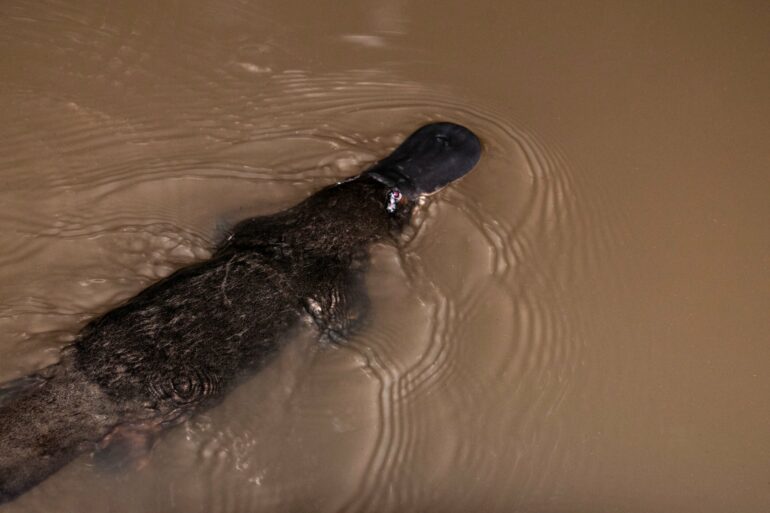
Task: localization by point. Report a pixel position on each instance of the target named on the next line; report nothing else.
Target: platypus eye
(394, 196)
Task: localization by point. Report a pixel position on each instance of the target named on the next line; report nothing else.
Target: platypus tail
(45, 423)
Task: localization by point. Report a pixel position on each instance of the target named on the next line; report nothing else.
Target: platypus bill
(178, 346)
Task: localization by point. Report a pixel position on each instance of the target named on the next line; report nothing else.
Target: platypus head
(432, 157)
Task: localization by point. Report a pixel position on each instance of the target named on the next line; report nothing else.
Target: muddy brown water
(580, 325)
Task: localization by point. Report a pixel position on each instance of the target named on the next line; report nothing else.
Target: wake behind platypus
(178, 346)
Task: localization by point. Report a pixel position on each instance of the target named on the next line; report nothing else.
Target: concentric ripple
(469, 350)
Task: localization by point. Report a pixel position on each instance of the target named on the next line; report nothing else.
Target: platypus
(178, 346)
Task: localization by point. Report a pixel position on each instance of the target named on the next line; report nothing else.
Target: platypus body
(181, 344)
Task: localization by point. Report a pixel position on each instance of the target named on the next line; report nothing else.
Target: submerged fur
(179, 345)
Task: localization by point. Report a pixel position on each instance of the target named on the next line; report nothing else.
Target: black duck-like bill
(429, 159)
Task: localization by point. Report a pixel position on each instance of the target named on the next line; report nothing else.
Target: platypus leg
(127, 446)
(343, 310)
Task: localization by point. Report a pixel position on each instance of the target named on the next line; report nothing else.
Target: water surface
(579, 325)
